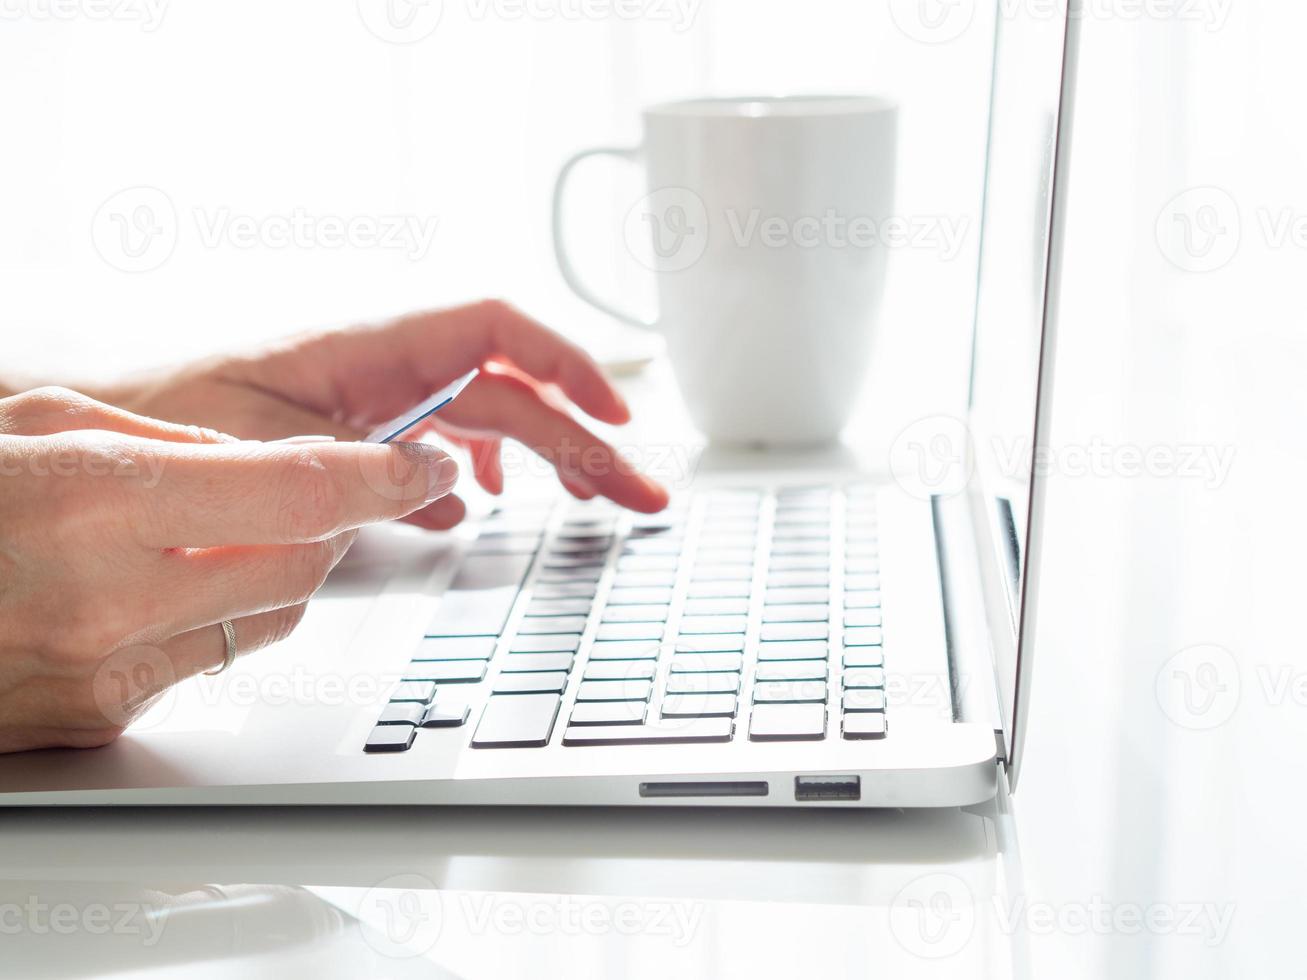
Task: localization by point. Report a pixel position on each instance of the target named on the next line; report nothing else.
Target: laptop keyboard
(737, 613)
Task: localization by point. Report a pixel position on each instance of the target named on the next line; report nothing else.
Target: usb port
(827, 788)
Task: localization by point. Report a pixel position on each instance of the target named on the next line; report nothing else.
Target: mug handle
(565, 267)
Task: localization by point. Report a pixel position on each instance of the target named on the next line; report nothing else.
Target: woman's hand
(124, 542)
(343, 383)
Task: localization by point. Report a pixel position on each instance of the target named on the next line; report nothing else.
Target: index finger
(438, 346)
(255, 493)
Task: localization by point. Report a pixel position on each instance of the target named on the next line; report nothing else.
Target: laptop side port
(808, 788)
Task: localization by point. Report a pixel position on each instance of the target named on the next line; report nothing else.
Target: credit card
(396, 427)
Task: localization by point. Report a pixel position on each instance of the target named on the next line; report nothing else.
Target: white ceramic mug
(765, 218)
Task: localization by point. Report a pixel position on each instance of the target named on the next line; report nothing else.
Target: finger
(257, 493)
(375, 372)
(487, 463)
(205, 649)
(502, 404)
(445, 513)
(206, 587)
(45, 411)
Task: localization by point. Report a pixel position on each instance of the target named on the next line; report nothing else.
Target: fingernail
(300, 440)
(442, 471)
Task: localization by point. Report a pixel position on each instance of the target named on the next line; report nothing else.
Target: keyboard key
(420, 691)
(517, 721)
(791, 670)
(639, 596)
(588, 575)
(800, 532)
(864, 699)
(625, 650)
(402, 713)
(795, 563)
(811, 545)
(390, 738)
(534, 682)
(711, 643)
(691, 625)
(724, 556)
(864, 677)
(546, 643)
(609, 713)
(635, 614)
(481, 596)
(618, 670)
(863, 636)
(630, 631)
(696, 663)
(663, 545)
(671, 732)
(552, 624)
(643, 580)
(545, 608)
(717, 607)
(699, 706)
(861, 582)
(712, 540)
(796, 612)
(854, 548)
(864, 657)
(716, 683)
(570, 562)
(446, 715)
(456, 648)
(862, 617)
(525, 663)
(864, 724)
(803, 578)
(787, 722)
(565, 590)
(722, 573)
(789, 692)
(862, 600)
(648, 563)
(447, 671)
(794, 631)
(624, 690)
(861, 566)
(793, 650)
(787, 595)
(738, 589)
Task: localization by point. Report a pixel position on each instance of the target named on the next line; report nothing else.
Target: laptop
(829, 641)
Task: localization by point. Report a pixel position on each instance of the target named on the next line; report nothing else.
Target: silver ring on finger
(229, 654)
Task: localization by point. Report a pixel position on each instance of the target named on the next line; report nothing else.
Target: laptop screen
(1028, 61)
